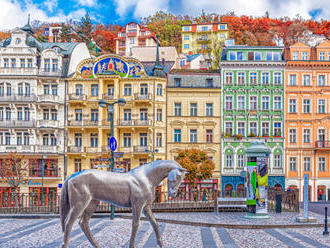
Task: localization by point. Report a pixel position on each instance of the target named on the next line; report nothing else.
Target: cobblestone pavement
(37, 233)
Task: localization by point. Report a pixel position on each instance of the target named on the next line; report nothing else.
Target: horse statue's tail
(65, 204)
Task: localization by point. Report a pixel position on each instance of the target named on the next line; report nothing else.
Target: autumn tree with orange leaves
(198, 164)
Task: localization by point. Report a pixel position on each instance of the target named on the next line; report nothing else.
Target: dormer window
(18, 41)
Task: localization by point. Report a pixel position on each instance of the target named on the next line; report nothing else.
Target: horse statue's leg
(136, 211)
(84, 220)
(148, 213)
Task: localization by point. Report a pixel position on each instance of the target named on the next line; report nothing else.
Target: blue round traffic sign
(113, 144)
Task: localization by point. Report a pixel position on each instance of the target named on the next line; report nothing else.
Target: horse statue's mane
(166, 164)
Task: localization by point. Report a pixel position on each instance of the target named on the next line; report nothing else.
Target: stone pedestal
(301, 219)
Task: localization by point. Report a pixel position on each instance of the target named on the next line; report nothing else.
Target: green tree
(65, 33)
(84, 30)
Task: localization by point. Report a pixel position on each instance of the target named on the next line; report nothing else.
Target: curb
(177, 222)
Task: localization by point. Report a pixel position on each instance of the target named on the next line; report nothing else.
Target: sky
(14, 12)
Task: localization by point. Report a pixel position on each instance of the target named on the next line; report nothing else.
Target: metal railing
(17, 123)
(138, 96)
(18, 98)
(48, 71)
(48, 98)
(322, 144)
(82, 97)
(19, 70)
(76, 149)
(290, 200)
(134, 122)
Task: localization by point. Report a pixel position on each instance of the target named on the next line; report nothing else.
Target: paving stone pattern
(47, 233)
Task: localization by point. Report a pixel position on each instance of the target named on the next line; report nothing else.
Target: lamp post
(104, 104)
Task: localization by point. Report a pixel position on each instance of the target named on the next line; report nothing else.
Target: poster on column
(251, 177)
(262, 185)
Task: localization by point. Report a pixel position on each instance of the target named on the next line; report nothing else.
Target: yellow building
(193, 116)
(139, 125)
(198, 37)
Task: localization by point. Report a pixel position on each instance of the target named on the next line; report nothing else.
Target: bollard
(326, 232)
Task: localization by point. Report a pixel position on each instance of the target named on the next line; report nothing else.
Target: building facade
(199, 37)
(139, 125)
(307, 92)
(132, 35)
(32, 107)
(193, 117)
(252, 82)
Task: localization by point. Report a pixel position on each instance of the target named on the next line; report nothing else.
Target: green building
(252, 81)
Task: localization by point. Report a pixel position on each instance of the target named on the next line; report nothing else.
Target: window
(55, 65)
(29, 61)
(295, 56)
(253, 78)
(159, 140)
(13, 63)
(209, 82)
(257, 56)
(78, 114)
(277, 129)
(292, 135)
(131, 41)
(6, 63)
(222, 26)
(209, 109)
(143, 139)
(293, 164)
(144, 89)
(265, 129)
(2, 89)
(187, 28)
(229, 102)
(322, 55)
(186, 37)
(1, 113)
(54, 114)
(7, 137)
(277, 78)
(77, 164)
(186, 46)
(239, 56)
(45, 139)
(193, 109)
(94, 139)
(127, 115)
(143, 114)
(307, 163)
(193, 136)
(321, 80)
(8, 114)
(306, 106)
(77, 139)
(8, 89)
(265, 78)
(205, 28)
(95, 90)
(232, 55)
(277, 161)
(94, 115)
(52, 140)
(209, 135)
(27, 90)
(321, 106)
(241, 102)
(304, 55)
(229, 160)
(159, 90)
(26, 139)
(292, 105)
(22, 63)
(127, 140)
(20, 113)
(253, 103)
(20, 89)
(46, 114)
(322, 164)
(177, 109)
(253, 129)
(306, 80)
(277, 103)
(240, 78)
(240, 161)
(127, 90)
(26, 114)
(292, 79)
(19, 139)
(159, 115)
(307, 135)
(111, 90)
(54, 89)
(79, 90)
(265, 102)
(46, 89)
(229, 128)
(241, 128)
(177, 82)
(177, 135)
(269, 56)
(229, 77)
(276, 56)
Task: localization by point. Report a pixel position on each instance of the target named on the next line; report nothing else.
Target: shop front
(199, 191)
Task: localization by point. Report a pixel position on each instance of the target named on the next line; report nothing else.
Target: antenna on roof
(28, 19)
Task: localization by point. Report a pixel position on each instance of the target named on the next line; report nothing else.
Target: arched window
(79, 90)
(229, 163)
(277, 159)
(241, 158)
(159, 90)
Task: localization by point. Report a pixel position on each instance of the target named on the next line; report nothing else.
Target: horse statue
(82, 192)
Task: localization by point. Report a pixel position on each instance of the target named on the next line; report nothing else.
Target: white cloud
(13, 14)
(141, 8)
(88, 3)
(50, 4)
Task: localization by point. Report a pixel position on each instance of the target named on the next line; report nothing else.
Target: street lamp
(104, 104)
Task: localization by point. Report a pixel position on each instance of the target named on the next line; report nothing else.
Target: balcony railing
(48, 123)
(82, 97)
(48, 98)
(126, 123)
(93, 149)
(55, 72)
(126, 149)
(17, 148)
(90, 123)
(47, 149)
(135, 122)
(17, 123)
(108, 97)
(142, 149)
(143, 122)
(18, 70)
(75, 123)
(76, 149)
(138, 96)
(322, 144)
(18, 98)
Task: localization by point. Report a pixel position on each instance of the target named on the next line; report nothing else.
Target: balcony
(17, 123)
(48, 124)
(16, 148)
(18, 98)
(76, 149)
(18, 71)
(142, 97)
(143, 123)
(142, 149)
(75, 97)
(126, 123)
(90, 123)
(134, 123)
(48, 98)
(126, 149)
(131, 34)
(93, 149)
(108, 97)
(50, 72)
(322, 144)
(203, 40)
(72, 123)
(47, 149)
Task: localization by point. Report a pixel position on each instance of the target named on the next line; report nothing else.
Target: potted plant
(277, 134)
(251, 135)
(239, 136)
(265, 135)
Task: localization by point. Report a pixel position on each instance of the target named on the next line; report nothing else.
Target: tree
(216, 50)
(84, 30)
(105, 40)
(65, 33)
(198, 164)
(15, 170)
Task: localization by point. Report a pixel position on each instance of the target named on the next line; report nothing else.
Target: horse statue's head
(175, 178)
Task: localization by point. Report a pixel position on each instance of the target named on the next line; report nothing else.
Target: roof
(192, 57)
(187, 71)
(148, 54)
(252, 47)
(149, 66)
